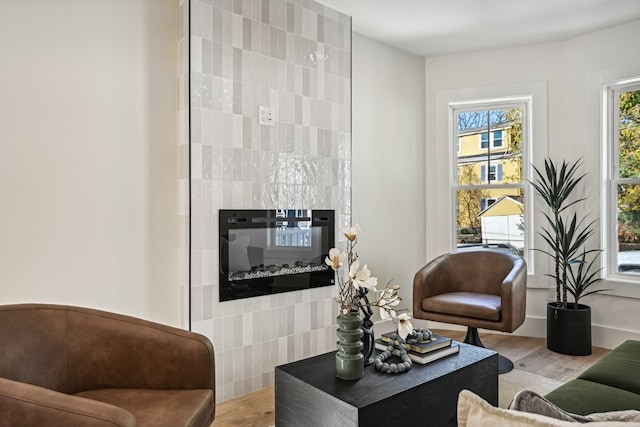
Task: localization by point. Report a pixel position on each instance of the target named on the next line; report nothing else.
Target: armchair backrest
(481, 271)
(72, 349)
(33, 346)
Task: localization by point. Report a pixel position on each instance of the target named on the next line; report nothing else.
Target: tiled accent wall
(293, 56)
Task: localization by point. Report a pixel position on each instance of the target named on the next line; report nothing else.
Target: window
(488, 184)
(496, 140)
(484, 141)
(486, 202)
(495, 173)
(622, 136)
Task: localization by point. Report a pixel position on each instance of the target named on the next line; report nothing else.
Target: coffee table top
(319, 371)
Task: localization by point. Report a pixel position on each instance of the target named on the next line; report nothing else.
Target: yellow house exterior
(491, 160)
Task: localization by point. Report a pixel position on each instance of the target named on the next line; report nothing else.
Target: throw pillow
(630, 415)
(473, 411)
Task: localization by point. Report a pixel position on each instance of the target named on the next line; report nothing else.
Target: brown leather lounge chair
(71, 366)
(480, 289)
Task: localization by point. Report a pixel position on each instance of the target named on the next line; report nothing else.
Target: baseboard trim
(601, 336)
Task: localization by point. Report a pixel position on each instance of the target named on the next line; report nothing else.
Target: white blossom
(404, 325)
(352, 233)
(335, 259)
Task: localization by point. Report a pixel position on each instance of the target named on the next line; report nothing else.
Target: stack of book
(423, 351)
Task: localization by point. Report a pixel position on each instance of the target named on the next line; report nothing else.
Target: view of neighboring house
(502, 222)
(489, 158)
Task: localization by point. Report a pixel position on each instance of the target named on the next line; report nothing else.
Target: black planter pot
(568, 329)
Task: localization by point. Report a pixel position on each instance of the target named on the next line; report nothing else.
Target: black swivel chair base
(472, 337)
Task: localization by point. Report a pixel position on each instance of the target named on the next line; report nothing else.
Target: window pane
(495, 161)
(629, 136)
(629, 228)
(489, 189)
(496, 215)
(484, 141)
(497, 138)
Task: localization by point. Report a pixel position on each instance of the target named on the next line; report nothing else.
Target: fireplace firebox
(265, 252)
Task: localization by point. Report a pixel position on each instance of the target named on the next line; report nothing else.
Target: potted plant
(575, 271)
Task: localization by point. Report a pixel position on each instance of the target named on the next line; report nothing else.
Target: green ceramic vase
(349, 358)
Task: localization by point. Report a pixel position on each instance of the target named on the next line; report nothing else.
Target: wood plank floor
(528, 354)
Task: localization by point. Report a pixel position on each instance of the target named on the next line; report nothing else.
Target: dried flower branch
(354, 283)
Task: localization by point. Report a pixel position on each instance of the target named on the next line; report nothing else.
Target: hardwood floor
(251, 410)
(528, 354)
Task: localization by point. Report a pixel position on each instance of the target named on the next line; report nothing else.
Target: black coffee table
(307, 393)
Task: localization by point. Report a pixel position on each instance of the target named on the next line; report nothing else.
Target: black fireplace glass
(265, 252)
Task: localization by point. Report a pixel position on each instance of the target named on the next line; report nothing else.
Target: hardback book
(421, 359)
(435, 343)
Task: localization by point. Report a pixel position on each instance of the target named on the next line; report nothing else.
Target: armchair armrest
(27, 405)
(513, 294)
(108, 350)
(432, 274)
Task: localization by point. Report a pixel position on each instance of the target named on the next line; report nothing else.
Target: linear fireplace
(264, 252)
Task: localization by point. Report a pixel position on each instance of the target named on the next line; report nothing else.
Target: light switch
(265, 116)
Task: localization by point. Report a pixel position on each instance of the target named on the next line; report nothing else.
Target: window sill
(621, 287)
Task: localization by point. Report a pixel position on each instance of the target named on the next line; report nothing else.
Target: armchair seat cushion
(159, 408)
(23, 404)
(467, 304)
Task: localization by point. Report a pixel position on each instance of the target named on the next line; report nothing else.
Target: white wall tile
(303, 161)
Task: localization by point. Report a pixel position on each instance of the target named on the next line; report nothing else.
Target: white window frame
(439, 201)
(525, 104)
(610, 133)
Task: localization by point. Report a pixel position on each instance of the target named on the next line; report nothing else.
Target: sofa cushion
(160, 408)
(473, 411)
(584, 397)
(532, 402)
(620, 368)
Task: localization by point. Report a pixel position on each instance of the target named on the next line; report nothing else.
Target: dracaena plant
(581, 276)
(566, 234)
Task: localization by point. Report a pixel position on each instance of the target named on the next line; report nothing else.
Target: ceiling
(441, 27)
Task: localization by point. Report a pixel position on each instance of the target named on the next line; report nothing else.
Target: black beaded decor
(380, 361)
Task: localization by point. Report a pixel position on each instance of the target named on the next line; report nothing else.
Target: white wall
(87, 154)
(572, 73)
(388, 151)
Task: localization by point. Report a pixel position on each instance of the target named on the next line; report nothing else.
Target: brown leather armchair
(71, 366)
(479, 289)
